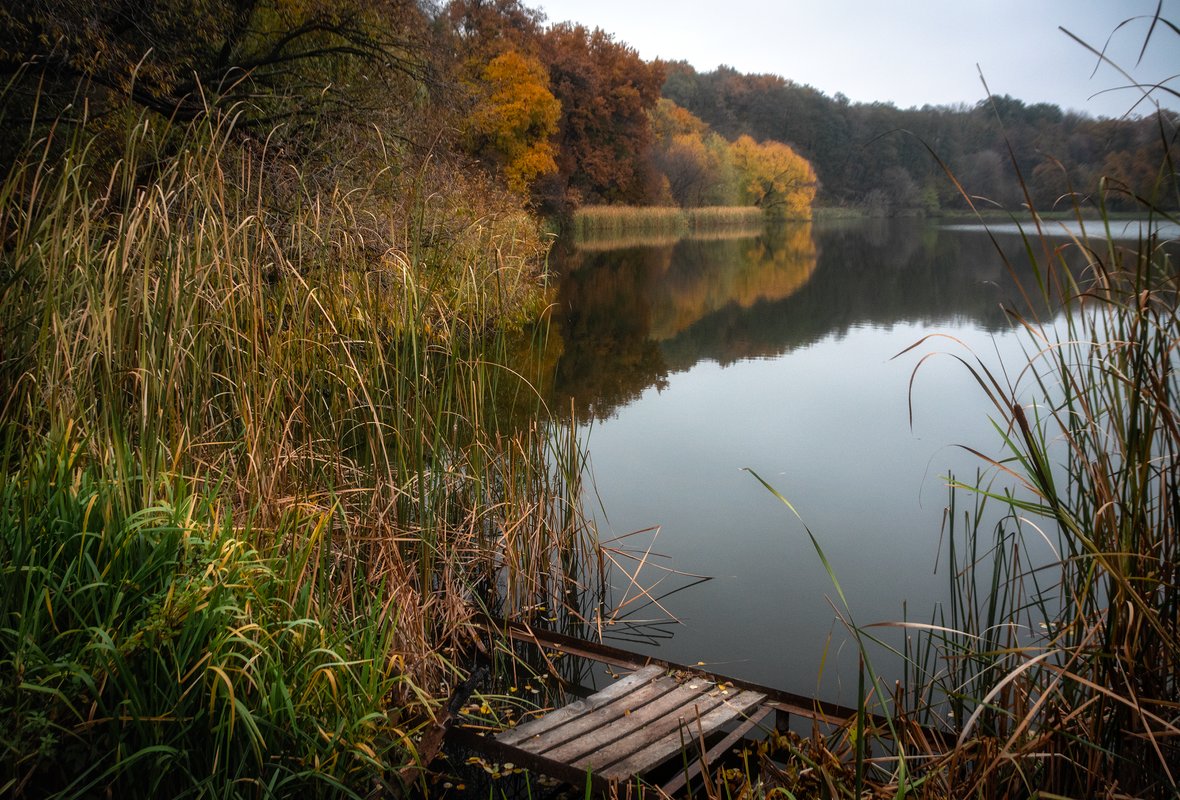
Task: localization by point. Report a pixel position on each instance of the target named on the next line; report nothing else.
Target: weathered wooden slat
(809, 707)
(619, 688)
(488, 746)
(637, 723)
(612, 717)
(636, 739)
(672, 740)
(682, 778)
(584, 751)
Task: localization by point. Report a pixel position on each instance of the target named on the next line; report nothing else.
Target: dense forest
(556, 115)
(888, 159)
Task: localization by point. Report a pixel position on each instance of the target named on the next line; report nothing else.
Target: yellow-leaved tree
(515, 118)
(775, 178)
(694, 159)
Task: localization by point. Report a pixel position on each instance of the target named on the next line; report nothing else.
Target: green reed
(1054, 671)
(157, 652)
(1064, 671)
(1045, 675)
(255, 470)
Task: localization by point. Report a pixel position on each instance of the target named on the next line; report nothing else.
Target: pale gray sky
(908, 52)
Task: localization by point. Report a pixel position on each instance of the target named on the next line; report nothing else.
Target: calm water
(691, 362)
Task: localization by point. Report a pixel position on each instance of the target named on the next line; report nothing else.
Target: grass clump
(1055, 669)
(260, 460)
(1064, 668)
(155, 651)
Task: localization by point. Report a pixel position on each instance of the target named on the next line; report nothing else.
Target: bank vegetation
(270, 437)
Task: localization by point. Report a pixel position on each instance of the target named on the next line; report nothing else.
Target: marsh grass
(257, 466)
(593, 223)
(1066, 668)
(159, 653)
(1055, 669)
(607, 243)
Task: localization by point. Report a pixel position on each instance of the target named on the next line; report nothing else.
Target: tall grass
(257, 464)
(601, 222)
(1063, 673)
(1055, 669)
(155, 651)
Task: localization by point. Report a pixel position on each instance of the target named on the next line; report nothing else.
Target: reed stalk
(1054, 670)
(598, 223)
(256, 467)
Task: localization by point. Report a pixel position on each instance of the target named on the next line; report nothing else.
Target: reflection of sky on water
(1119, 229)
(805, 390)
(827, 426)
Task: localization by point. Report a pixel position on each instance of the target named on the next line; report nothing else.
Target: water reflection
(629, 317)
(775, 352)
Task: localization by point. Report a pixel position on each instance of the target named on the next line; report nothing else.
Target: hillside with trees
(272, 280)
(558, 115)
(887, 159)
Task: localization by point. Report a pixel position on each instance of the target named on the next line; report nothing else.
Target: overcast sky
(908, 52)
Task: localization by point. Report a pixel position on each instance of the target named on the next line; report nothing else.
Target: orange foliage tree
(694, 159)
(604, 135)
(516, 117)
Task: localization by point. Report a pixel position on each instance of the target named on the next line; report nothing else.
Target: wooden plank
(635, 749)
(628, 742)
(655, 752)
(488, 746)
(808, 707)
(810, 713)
(609, 717)
(604, 737)
(617, 689)
(716, 751)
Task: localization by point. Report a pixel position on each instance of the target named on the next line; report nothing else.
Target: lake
(690, 362)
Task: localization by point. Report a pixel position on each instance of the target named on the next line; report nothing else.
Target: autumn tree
(515, 118)
(268, 58)
(604, 133)
(775, 178)
(487, 28)
(863, 151)
(694, 159)
(669, 119)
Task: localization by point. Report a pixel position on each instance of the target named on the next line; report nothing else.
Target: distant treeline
(883, 157)
(487, 97)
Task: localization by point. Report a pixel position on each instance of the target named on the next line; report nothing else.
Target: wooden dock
(627, 730)
(632, 726)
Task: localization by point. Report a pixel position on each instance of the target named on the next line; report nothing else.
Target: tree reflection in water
(629, 317)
